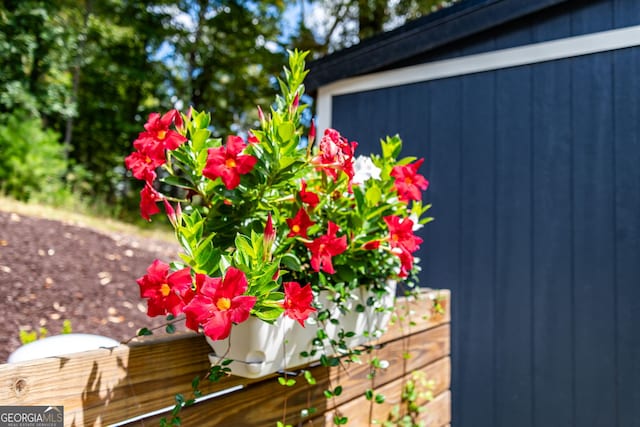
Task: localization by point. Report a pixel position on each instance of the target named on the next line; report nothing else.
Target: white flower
(416, 224)
(364, 170)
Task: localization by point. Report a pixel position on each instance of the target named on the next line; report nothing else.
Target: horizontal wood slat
(436, 413)
(107, 386)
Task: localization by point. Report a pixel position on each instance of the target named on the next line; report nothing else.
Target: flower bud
(312, 132)
(173, 214)
(269, 237)
(295, 103)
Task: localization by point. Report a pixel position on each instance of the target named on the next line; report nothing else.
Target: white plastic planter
(258, 348)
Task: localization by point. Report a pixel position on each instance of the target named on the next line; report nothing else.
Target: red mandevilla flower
(403, 242)
(308, 197)
(152, 144)
(299, 224)
(166, 292)
(401, 233)
(158, 132)
(143, 166)
(220, 303)
(148, 199)
(406, 260)
(325, 247)
(297, 301)
(228, 164)
(409, 182)
(336, 154)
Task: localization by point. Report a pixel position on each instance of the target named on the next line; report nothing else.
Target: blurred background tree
(78, 78)
(325, 26)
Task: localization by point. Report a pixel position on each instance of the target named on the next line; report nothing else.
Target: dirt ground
(51, 271)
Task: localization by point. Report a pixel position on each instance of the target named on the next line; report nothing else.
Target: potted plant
(280, 230)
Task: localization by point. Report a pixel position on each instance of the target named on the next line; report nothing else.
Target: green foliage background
(78, 79)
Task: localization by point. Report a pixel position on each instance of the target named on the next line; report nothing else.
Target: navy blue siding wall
(535, 181)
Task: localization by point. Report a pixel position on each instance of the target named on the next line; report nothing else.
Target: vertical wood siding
(535, 181)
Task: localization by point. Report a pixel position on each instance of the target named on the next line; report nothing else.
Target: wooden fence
(135, 384)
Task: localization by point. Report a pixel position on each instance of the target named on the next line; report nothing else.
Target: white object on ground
(58, 345)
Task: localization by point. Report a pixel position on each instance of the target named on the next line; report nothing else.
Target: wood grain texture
(106, 386)
(427, 347)
(436, 413)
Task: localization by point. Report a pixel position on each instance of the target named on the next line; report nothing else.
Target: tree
(336, 24)
(222, 56)
(34, 59)
(93, 70)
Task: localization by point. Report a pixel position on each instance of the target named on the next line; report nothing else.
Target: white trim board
(494, 60)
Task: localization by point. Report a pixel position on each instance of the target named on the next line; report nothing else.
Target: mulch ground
(51, 271)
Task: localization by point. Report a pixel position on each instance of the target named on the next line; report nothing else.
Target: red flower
(227, 162)
(166, 292)
(297, 301)
(152, 143)
(336, 154)
(372, 245)
(219, 303)
(252, 139)
(148, 199)
(143, 166)
(401, 233)
(409, 182)
(299, 224)
(308, 197)
(406, 260)
(403, 242)
(325, 247)
(158, 132)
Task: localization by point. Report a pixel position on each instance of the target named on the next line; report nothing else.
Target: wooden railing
(135, 384)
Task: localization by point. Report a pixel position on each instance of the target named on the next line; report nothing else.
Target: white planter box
(258, 348)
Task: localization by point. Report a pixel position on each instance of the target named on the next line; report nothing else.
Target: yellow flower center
(147, 159)
(223, 304)
(230, 163)
(408, 180)
(295, 228)
(165, 290)
(161, 134)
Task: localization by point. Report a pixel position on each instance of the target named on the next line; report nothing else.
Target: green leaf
(309, 377)
(202, 119)
(391, 147)
(291, 262)
(373, 195)
(269, 314)
(144, 332)
(199, 138)
(286, 131)
(368, 394)
(340, 420)
(243, 245)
